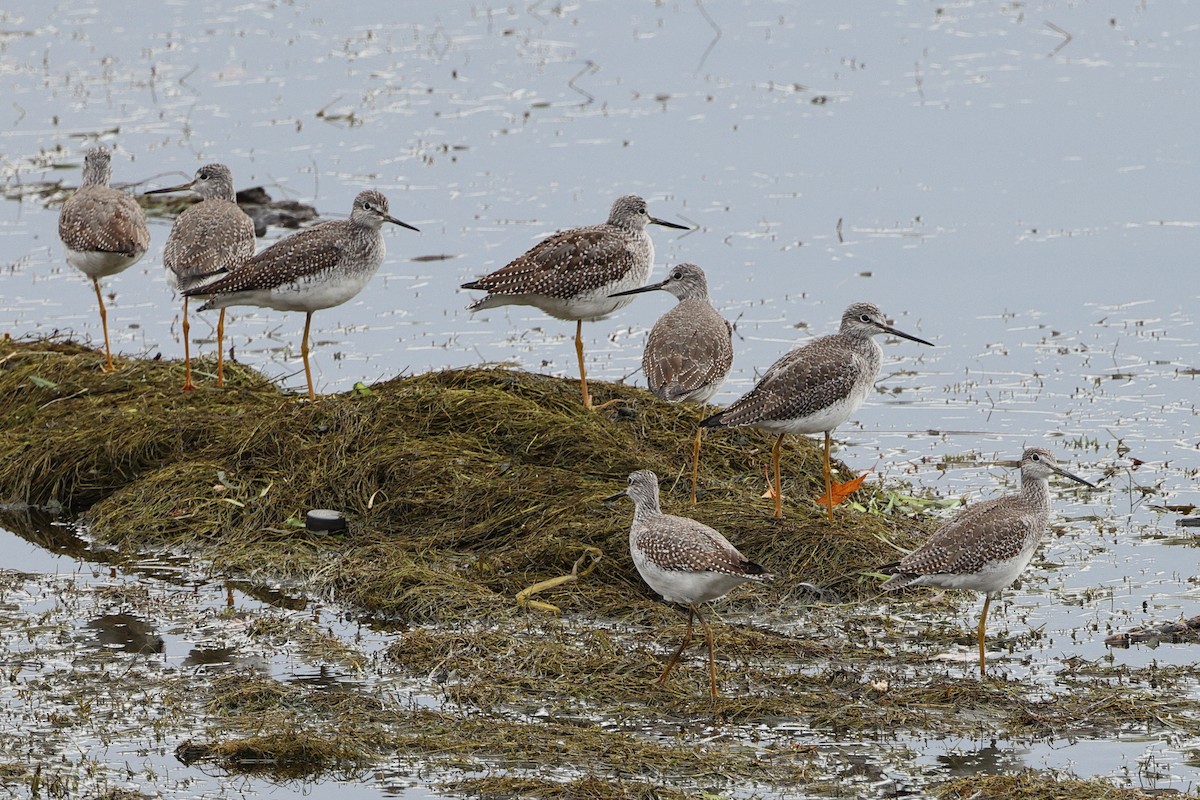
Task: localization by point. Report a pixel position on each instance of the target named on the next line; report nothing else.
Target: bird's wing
(209, 238)
(564, 265)
(802, 382)
(102, 219)
(682, 355)
(309, 252)
(683, 544)
(986, 532)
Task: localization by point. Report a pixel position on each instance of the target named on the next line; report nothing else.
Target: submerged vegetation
(465, 487)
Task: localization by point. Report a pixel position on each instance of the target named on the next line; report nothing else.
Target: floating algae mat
(461, 487)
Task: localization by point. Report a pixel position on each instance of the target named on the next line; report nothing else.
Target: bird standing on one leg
(319, 267)
(572, 274)
(684, 561)
(208, 239)
(987, 545)
(103, 230)
(815, 387)
(690, 348)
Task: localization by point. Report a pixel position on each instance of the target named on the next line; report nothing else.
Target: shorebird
(208, 239)
(103, 229)
(987, 545)
(815, 387)
(319, 267)
(572, 274)
(684, 561)
(690, 348)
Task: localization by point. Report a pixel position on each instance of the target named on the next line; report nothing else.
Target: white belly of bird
(306, 294)
(100, 265)
(589, 306)
(703, 394)
(826, 419)
(684, 587)
(995, 575)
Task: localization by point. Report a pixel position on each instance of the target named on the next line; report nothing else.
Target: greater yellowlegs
(815, 387)
(103, 230)
(987, 545)
(572, 274)
(690, 348)
(684, 561)
(319, 267)
(208, 239)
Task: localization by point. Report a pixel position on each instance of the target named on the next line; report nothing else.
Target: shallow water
(1019, 199)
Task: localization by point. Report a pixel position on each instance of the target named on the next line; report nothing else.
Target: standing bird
(987, 545)
(690, 348)
(208, 239)
(815, 387)
(684, 561)
(103, 229)
(572, 274)
(319, 267)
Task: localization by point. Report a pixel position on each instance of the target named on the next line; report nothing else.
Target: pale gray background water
(1030, 211)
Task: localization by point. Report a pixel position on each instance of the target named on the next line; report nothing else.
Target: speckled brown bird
(103, 230)
(815, 387)
(987, 545)
(684, 561)
(690, 349)
(208, 240)
(319, 267)
(572, 274)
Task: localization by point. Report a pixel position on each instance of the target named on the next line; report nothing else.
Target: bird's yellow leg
(221, 349)
(103, 324)
(828, 478)
(312, 396)
(187, 350)
(687, 639)
(778, 481)
(987, 601)
(712, 659)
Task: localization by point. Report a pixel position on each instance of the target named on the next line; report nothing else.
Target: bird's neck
(647, 510)
(1036, 492)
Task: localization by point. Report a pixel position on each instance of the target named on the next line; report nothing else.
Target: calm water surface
(1021, 197)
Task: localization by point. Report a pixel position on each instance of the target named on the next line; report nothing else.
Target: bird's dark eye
(677, 275)
(865, 318)
(1035, 457)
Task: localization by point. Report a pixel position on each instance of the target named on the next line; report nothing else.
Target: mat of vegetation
(461, 487)
(464, 488)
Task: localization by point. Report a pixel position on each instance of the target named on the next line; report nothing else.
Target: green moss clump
(461, 487)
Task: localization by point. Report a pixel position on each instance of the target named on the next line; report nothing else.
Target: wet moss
(462, 487)
(1035, 786)
(465, 487)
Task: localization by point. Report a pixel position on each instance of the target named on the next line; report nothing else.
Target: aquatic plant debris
(462, 489)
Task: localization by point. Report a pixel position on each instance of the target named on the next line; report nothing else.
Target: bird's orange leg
(587, 398)
(187, 350)
(828, 478)
(103, 323)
